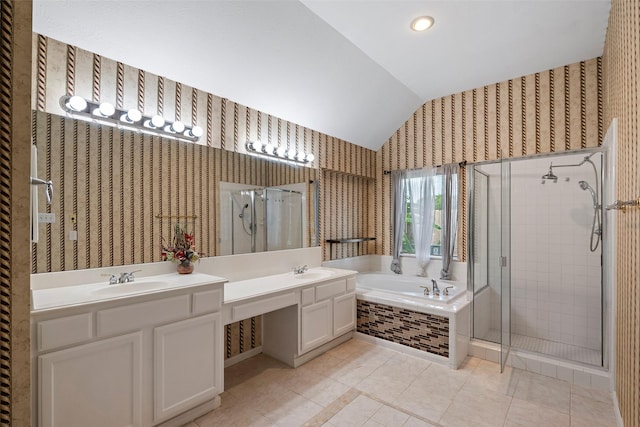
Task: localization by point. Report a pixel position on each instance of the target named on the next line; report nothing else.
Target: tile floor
(360, 384)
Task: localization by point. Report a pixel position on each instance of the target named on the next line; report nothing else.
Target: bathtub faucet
(436, 289)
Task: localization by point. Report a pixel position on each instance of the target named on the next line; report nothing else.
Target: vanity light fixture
(278, 153)
(105, 113)
(422, 23)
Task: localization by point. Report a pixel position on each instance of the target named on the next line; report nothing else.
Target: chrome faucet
(446, 290)
(124, 277)
(300, 269)
(435, 288)
(113, 279)
(127, 277)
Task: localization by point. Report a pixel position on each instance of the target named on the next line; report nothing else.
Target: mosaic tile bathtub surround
(426, 332)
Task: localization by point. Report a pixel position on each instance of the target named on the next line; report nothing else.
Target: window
(408, 247)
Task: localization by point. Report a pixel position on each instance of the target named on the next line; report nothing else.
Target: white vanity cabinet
(327, 311)
(186, 364)
(315, 325)
(136, 361)
(93, 384)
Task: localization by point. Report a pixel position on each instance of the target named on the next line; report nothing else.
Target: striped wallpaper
(555, 110)
(116, 182)
(15, 358)
(622, 83)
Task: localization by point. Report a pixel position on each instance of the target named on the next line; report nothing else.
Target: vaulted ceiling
(351, 69)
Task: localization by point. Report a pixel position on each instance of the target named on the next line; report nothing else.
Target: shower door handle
(502, 261)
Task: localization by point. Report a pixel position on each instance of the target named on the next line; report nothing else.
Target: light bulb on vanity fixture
(155, 122)
(256, 146)
(175, 127)
(269, 148)
(281, 151)
(105, 109)
(76, 103)
(194, 132)
(131, 116)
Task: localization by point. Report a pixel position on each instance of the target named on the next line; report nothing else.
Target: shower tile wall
(556, 279)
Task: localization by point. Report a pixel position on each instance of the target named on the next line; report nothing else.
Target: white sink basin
(131, 287)
(314, 275)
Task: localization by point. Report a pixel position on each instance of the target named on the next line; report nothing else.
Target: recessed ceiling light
(422, 23)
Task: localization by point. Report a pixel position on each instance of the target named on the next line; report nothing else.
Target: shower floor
(550, 348)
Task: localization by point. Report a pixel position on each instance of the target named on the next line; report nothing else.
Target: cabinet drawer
(136, 316)
(308, 296)
(330, 289)
(207, 301)
(64, 331)
(265, 305)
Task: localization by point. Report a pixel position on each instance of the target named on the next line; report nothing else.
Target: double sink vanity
(151, 352)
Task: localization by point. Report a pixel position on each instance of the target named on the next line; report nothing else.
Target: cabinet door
(97, 384)
(344, 314)
(188, 366)
(315, 325)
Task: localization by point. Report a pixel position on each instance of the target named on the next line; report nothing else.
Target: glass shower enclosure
(535, 262)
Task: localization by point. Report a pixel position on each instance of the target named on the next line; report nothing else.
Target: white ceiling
(350, 69)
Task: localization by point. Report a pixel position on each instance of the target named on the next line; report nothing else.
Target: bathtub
(411, 286)
(392, 310)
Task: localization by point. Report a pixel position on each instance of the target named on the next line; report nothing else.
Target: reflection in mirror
(120, 192)
(262, 219)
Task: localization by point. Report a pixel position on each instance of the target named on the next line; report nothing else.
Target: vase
(185, 268)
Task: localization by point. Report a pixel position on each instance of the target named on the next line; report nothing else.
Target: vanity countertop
(260, 286)
(66, 296)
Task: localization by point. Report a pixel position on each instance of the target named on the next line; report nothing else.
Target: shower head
(585, 186)
(550, 175)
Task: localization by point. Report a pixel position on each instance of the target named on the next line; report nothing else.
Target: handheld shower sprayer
(596, 225)
(585, 186)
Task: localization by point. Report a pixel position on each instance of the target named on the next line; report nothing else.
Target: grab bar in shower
(624, 205)
(48, 188)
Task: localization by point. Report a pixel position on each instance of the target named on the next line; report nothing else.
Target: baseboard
(242, 356)
(616, 406)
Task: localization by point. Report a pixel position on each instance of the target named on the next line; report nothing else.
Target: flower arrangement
(182, 249)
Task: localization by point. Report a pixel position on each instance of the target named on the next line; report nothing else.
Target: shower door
(505, 261)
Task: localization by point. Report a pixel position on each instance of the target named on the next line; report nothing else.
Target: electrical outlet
(73, 235)
(47, 218)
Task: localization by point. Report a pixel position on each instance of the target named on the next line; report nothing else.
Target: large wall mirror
(118, 193)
